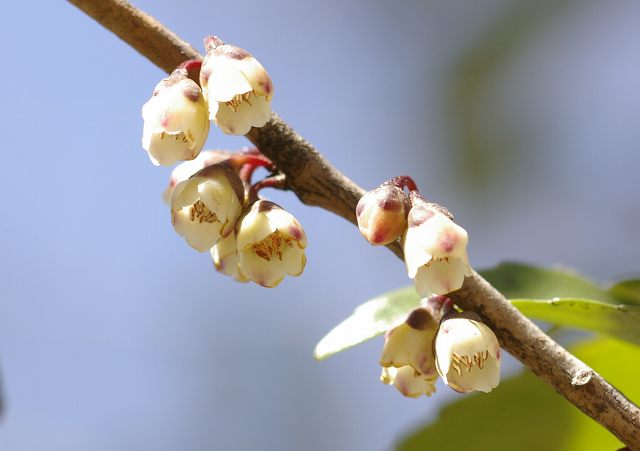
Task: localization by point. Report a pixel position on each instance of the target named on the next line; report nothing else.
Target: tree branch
(316, 182)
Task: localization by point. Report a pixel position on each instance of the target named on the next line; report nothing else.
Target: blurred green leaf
(620, 321)
(627, 291)
(370, 319)
(517, 280)
(524, 412)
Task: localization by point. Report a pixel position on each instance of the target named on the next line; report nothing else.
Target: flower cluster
(234, 91)
(216, 209)
(214, 205)
(434, 339)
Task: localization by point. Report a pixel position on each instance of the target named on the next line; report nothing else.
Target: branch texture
(316, 182)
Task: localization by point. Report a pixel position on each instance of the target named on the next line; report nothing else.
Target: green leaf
(370, 319)
(514, 280)
(627, 291)
(520, 281)
(525, 412)
(620, 321)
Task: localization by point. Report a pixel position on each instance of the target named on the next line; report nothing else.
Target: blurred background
(520, 116)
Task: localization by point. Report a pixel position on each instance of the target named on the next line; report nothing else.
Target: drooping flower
(435, 249)
(467, 355)
(270, 244)
(206, 206)
(407, 357)
(381, 214)
(176, 122)
(236, 86)
(226, 259)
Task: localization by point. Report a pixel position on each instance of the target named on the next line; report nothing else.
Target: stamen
(201, 213)
(235, 103)
(271, 245)
(478, 359)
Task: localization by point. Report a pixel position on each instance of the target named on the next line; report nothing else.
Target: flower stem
(404, 181)
(277, 181)
(192, 67)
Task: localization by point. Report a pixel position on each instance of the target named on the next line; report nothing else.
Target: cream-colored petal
(212, 105)
(408, 381)
(476, 379)
(167, 149)
(200, 235)
(214, 193)
(440, 277)
(256, 75)
(226, 259)
(252, 113)
(415, 255)
(260, 270)
(225, 80)
(187, 168)
(443, 352)
(185, 194)
(293, 259)
(255, 227)
(287, 224)
(407, 346)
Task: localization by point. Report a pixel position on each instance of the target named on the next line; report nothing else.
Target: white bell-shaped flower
(467, 355)
(176, 121)
(411, 343)
(237, 87)
(270, 243)
(435, 250)
(206, 206)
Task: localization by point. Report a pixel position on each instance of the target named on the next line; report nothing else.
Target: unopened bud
(236, 86)
(176, 124)
(381, 214)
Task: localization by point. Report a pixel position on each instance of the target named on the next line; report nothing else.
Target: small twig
(316, 182)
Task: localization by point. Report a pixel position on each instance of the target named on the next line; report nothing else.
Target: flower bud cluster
(462, 350)
(435, 248)
(234, 91)
(434, 339)
(214, 206)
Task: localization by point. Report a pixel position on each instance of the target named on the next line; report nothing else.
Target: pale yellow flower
(206, 206)
(270, 244)
(435, 250)
(237, 87)
(467, 355)
(176, 122)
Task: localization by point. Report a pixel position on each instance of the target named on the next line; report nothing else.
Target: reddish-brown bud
(381, 214)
